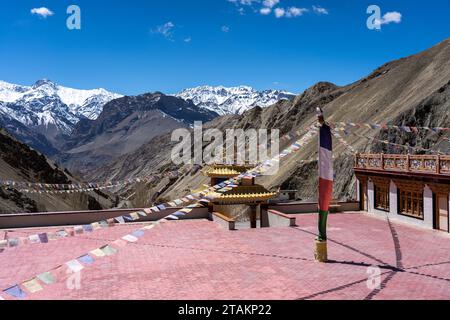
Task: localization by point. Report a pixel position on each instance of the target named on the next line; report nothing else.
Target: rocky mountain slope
(49, 109)
(125, 125)
(20, 163)
(234, 100)
(410, 91)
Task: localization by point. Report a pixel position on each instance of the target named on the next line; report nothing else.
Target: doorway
(364, 205)
(442, 213)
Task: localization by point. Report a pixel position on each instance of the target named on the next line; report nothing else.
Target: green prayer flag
(46, 278)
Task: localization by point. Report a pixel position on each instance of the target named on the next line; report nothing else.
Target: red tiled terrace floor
(196, 259)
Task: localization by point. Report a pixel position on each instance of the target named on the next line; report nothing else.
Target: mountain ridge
(18, 162)
(48, 110)
(232, 100)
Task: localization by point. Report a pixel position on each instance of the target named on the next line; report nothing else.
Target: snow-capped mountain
(234, 100)
(46, 104)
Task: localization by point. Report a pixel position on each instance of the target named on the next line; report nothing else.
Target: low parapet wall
(279, 219)
(224, 221)
(311, 207)
(49, 219)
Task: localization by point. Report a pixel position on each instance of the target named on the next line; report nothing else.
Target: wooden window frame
(415, 203)
(382, 197)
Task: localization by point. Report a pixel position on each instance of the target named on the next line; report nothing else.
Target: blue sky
(136, 46)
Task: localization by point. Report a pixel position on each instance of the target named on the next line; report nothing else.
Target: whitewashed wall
(371, 196)
(393, 198)
(428, 207)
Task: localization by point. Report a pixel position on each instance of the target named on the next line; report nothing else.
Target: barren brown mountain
(411, 91)
(20, 163)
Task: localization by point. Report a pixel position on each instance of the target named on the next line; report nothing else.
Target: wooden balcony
(418, 164)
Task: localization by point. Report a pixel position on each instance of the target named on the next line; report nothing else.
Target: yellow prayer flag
(32, 285)
(98, 253)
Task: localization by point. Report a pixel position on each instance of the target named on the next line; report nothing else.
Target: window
(411, 203)
(382, 197)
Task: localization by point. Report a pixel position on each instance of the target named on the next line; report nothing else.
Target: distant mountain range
(48, 110)
(234, 100)
(51, 118)
(46, 103)
(126, 124)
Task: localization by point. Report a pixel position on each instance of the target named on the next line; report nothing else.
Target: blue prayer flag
(86, 259)
(87, 228)
(15, 291)
(138, 233)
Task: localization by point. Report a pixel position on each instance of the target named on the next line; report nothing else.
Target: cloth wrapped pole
(325, 175)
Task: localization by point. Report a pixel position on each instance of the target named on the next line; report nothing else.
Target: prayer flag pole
(325, 185)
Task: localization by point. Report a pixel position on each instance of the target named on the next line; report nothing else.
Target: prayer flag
(95, 225)
(138, 233)
(120, 220)
(86, 259)
(130, 238)
(46, 278)
(88, 228)
(179, 214)
(78, 229)
(15, 291)
(43, 237)
(108, 250)
(32, 285)
(13, 242)
(98, 253)
(142, 213)
(74, 266)
(34, 238)
(134, 216)
(52, 236)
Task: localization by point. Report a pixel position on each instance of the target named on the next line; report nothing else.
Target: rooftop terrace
(197, 259)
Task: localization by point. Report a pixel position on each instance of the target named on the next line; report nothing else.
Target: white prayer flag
(75, 266)
(120, 220)
(34, 238)
(130, 238)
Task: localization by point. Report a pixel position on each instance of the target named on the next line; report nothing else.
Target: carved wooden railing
(433, 164)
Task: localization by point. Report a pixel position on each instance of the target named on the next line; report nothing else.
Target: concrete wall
(311, 207)
(29, 220)
(278, 219)
(370, 196)
(393, 198)
(428, 207)
(223, 221)
(238, 212)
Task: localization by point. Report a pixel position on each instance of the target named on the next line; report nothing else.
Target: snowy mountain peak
(44, 83)
(232, 100)
(47, 104)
